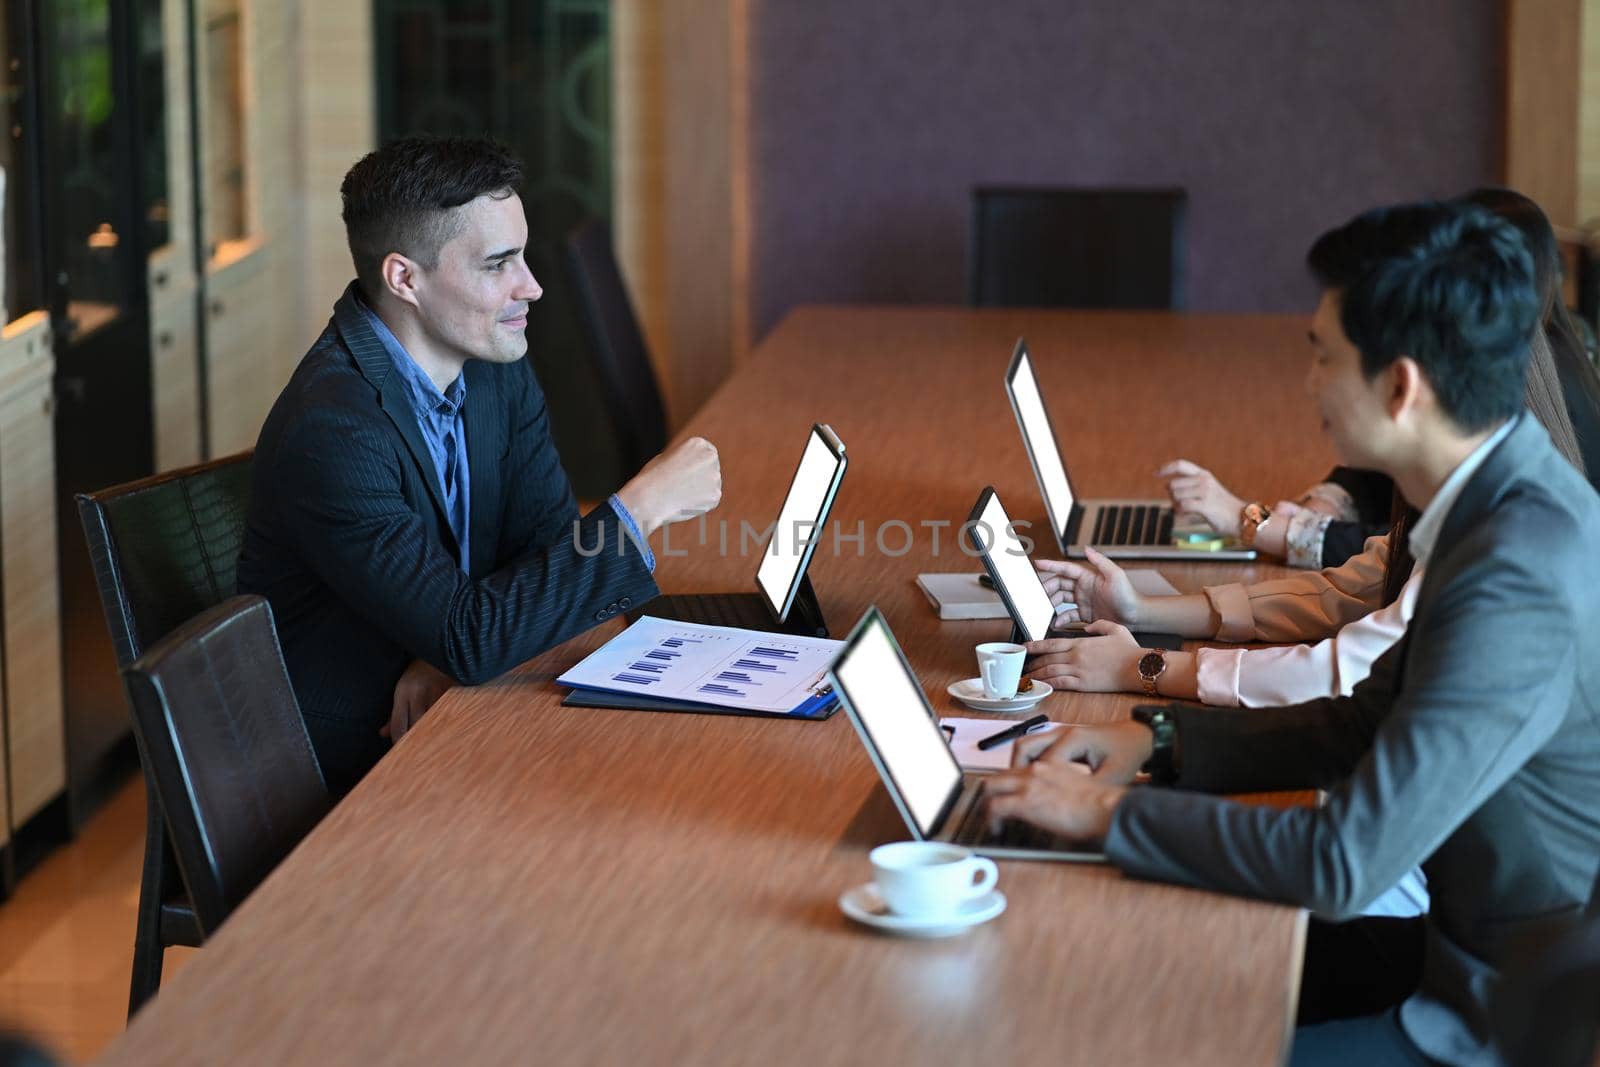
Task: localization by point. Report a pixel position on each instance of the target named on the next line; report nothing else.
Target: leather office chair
(164, 549)
(1580, 269)
(621, 359)
(220, 729)
(1086, 248)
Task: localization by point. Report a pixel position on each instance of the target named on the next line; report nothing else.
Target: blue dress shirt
(439, 417)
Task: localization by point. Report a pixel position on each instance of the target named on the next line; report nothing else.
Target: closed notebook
(959, 596)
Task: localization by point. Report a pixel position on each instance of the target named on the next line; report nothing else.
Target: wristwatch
(1151, 666)
(1162, 766)
(1252, 517)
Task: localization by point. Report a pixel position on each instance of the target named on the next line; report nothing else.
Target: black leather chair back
(1086, 248)
(1580, 260)
(166, 548)
(221, 732)
(621, 359)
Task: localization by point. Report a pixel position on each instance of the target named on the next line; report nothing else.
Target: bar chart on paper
(708, 664)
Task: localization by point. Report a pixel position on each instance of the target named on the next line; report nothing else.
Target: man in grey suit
(1473, 749)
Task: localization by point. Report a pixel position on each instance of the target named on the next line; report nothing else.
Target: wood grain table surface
(520, 882)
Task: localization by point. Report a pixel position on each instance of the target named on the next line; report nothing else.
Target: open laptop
(1121, 529)
(1015, 578)
(937, 800)
(784, 601)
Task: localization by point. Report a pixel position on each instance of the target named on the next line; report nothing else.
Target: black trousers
(1369, 1041)
(1356, 974)
(1360, 967)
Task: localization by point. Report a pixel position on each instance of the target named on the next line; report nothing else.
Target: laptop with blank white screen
(1121, 529)
(937, 800)
(1005, 558)
(784, 601)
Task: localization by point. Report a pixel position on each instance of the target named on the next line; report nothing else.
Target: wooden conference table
(520, 882)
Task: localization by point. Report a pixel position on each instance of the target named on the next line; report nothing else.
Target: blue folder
(813, 709)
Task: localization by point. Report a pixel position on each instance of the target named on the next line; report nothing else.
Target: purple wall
(872, 119)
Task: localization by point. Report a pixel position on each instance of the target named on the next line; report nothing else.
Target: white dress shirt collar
(1426, 532)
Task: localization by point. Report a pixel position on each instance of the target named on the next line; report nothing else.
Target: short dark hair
(1449, 285)
(399, 197)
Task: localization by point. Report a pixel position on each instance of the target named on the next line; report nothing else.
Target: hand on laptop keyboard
(1055, 798)
(1196, 491)
(1112, 752)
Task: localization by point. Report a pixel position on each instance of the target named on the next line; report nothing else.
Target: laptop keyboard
(1013, 833)
(1132, 524)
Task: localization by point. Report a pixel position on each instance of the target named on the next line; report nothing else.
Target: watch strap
(1162, 766)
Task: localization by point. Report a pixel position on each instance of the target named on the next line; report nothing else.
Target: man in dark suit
(1472, 749)
(410, 521)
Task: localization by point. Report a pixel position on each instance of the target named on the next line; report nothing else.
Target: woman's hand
(1196, 491)
(1096, 589)
(1107, 661)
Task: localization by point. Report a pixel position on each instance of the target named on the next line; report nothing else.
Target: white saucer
(864, 905)
(970, 692)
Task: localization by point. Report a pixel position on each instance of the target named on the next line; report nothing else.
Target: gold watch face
(1251, 519)
(1151, 664)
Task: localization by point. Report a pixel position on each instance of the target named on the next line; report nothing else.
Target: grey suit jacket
(1473, 749)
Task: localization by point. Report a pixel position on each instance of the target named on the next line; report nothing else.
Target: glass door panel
(90, 164)
(95, 239)
(22, 289)
(535, 74)
(150, 57)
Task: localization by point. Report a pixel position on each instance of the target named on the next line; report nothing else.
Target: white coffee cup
(928, 879)
(1000, 668)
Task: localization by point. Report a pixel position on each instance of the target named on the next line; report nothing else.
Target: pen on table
(1012, 732)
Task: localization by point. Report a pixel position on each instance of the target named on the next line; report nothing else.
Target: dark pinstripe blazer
(347, 538)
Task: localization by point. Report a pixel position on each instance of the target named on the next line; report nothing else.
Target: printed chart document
(719, 665)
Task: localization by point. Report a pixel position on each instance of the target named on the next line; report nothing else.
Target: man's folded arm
(1486, 690)
(350, 521)
(1302, 746)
